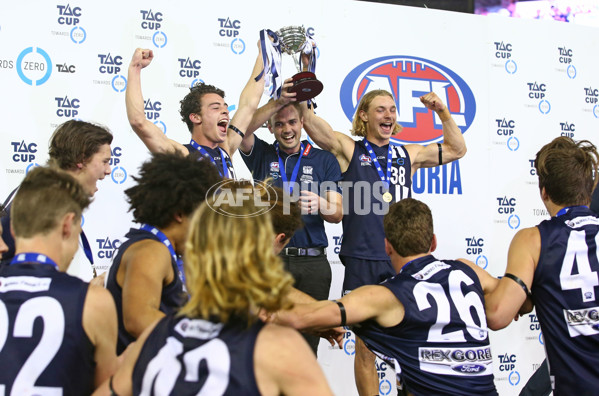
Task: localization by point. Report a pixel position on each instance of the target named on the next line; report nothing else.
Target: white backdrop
(513, 85)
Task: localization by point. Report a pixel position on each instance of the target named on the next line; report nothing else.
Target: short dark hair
(409, 227)
(192, 102)
(295, 105)
(75, 142)
(170, 184)
(44, 196)
(567, 170)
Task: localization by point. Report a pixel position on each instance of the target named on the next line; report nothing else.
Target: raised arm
(248, 104)
(341, 145)
(264, 113)
(453, 146)
(509, 298)
(150, 134)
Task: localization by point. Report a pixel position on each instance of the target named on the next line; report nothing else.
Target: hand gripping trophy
(291, 40)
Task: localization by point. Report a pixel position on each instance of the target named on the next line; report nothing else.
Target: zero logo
(38, 69)
(408, 78)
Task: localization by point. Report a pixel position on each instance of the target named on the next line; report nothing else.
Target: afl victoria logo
(408, 78)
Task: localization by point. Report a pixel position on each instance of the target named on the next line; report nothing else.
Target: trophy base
(306, 86)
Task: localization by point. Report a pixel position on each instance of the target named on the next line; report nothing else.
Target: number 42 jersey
(441, 347)
(184, 356)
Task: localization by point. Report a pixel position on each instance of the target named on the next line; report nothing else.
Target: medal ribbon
(386, 180)
(205, 153)
(166, 242)
(288, 185)
(88, 251)
(36, 258)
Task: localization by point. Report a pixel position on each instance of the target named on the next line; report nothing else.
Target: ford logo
(469, 368)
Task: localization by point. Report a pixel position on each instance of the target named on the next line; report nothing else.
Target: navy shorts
(360, 272)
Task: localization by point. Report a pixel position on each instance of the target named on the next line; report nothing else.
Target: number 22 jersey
(43, 346)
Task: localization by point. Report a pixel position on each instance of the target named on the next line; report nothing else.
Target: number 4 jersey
(43, 347)
(184, 356)
(441, 347)
(564, 290)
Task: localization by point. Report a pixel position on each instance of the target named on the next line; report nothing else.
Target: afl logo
(408, 78)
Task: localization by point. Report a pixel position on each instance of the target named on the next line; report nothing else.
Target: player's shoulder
(273, 336)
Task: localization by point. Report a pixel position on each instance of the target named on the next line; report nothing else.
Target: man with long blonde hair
(216, 344)
(387, 170)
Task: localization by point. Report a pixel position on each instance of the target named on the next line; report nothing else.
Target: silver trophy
(292, 40)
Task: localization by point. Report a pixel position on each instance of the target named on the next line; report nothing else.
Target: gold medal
(387, 197)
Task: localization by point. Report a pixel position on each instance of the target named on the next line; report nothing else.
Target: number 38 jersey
(441, 347)
(565, 291)
(43, 347)
(184, 356)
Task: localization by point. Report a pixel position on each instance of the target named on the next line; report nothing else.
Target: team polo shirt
(316, 166)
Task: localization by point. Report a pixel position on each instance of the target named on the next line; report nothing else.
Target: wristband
(440, 154)
(342, 312)
(236, 130)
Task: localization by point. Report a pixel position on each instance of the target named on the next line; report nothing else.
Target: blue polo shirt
(316, 166)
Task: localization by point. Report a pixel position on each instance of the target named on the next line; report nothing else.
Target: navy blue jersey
(441, 347)
(185, 356)
(565, 292)
(43, 346)
(363, 234)
(216, 155)
(172, 296)
(316, 167)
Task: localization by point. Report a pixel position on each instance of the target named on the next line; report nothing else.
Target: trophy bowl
(305, 84)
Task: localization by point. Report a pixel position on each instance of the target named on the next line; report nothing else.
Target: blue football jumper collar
(565, 210)
(35, 258)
